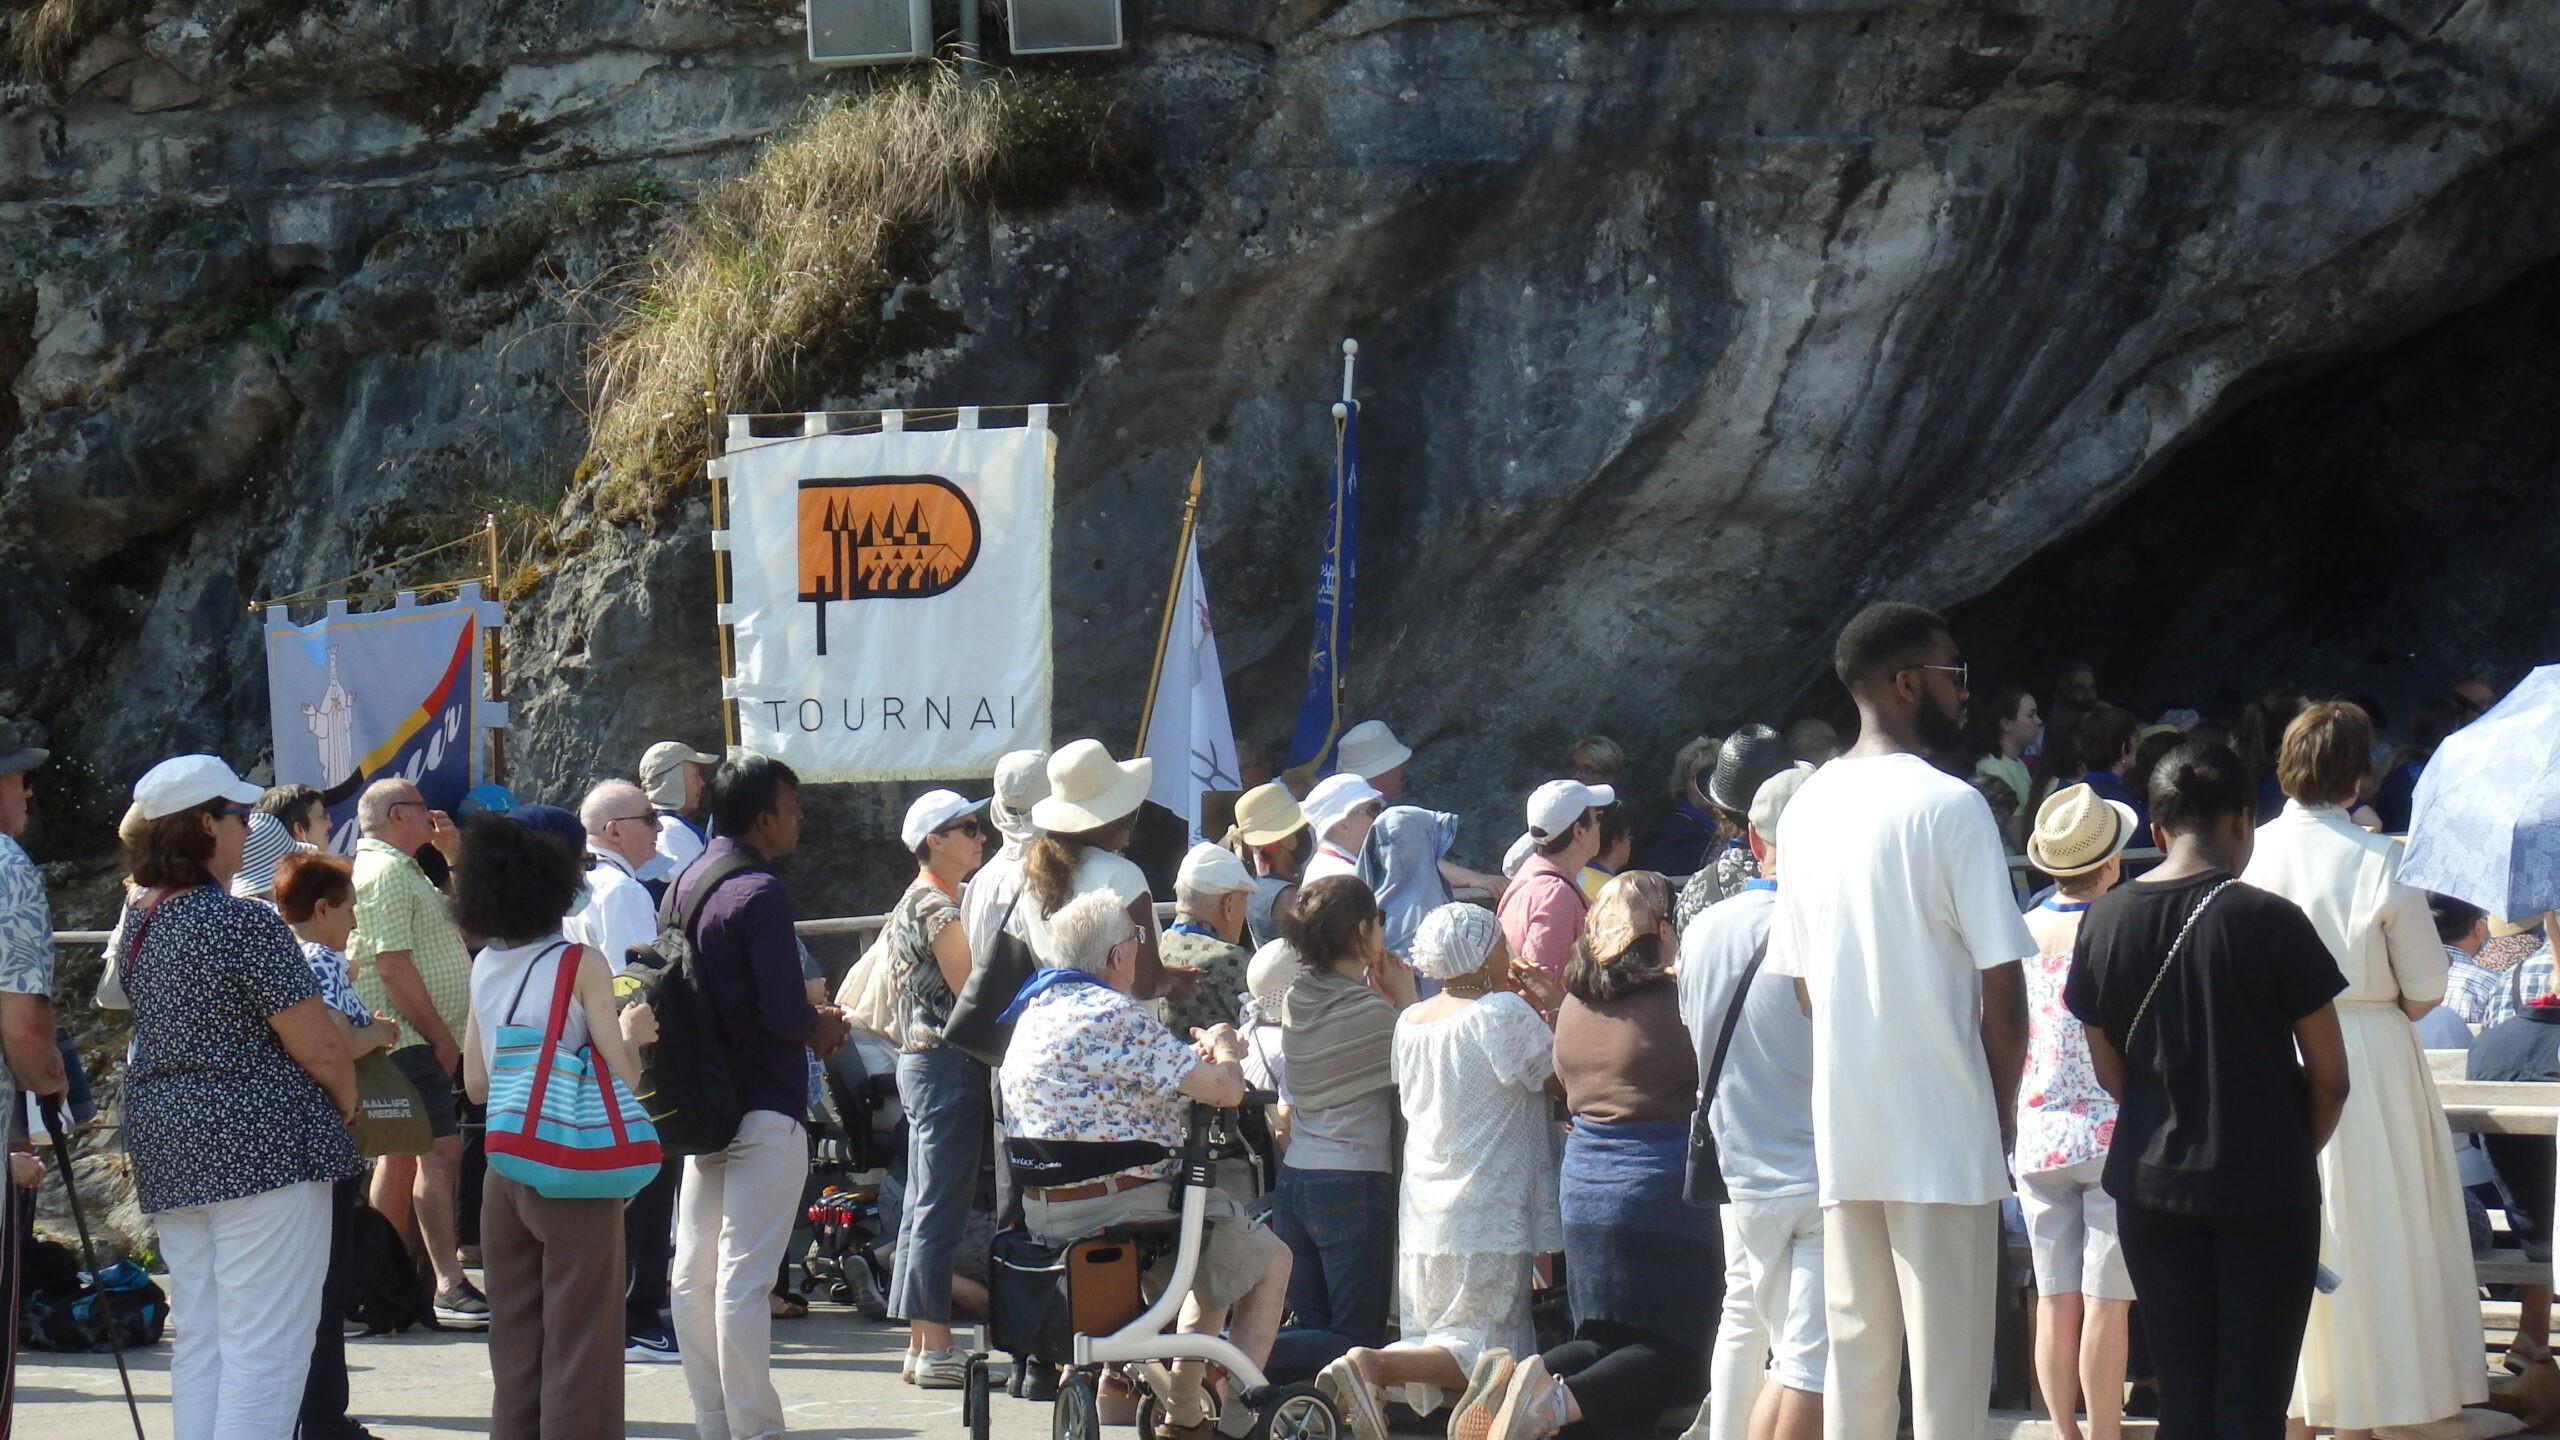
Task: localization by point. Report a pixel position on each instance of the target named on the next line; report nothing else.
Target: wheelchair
(1094, 1291)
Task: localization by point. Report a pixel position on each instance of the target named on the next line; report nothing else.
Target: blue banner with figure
(1320, 710)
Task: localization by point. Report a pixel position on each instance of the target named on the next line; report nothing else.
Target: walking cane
(51, 1106)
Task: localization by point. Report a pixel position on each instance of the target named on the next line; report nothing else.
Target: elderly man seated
(1094, 1090)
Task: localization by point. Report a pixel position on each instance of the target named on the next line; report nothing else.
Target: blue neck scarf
(1042, 981)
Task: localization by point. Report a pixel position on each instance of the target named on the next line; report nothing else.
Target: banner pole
(1172, 597)
(711, 452)
(493, 644)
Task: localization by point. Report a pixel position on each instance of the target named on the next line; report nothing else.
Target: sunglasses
(649, 817)
(1962, 671)
(969, 827)
(227, 811)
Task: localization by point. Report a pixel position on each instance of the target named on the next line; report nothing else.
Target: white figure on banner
(1213, 740)
(332, 723)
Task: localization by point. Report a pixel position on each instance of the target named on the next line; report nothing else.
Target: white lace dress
(1479, 1193)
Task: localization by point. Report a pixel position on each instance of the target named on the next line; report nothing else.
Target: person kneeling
(1093, 1090)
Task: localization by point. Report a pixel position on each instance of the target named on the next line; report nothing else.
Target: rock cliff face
(1687, 329)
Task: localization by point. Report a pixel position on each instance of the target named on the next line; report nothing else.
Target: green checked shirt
(398, 909)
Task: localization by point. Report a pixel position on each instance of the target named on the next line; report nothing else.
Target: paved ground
(838, 1375)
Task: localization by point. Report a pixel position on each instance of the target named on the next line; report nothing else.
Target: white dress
(2399, 1342)
(1479, 1190)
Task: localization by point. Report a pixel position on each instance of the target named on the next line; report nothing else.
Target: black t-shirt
(2216, 1113)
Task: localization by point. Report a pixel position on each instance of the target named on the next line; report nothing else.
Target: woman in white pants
(238, 1100)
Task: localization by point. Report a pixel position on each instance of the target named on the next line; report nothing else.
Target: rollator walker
(1101, 1281)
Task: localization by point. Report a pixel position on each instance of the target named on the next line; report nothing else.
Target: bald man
(622, 837)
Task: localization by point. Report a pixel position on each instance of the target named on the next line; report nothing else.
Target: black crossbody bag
(1703, 1187)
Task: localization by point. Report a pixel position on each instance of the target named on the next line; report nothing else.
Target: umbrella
(2485, 823)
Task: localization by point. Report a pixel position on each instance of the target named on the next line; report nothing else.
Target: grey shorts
(1235, 1248)
(435, 1088)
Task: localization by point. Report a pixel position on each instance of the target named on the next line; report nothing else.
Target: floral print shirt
(1089, 1063)
(2064, 1115)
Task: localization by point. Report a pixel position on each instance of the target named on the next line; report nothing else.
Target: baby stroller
(1085, 1299)
(853, 1156)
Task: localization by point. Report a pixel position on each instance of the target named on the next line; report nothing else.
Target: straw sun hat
(1088, 789)
(1267, 815)
(2077, 831)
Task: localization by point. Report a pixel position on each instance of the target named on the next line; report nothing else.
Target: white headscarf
(1454, 940)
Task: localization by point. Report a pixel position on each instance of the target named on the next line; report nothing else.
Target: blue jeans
(945, 1093)
(1341, 1229)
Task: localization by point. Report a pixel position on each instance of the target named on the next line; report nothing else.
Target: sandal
(2522, 1356)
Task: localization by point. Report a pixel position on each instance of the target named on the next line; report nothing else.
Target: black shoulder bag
(976, 1028)
(1704, 1186)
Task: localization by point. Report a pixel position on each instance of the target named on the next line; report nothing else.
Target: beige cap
(662, 771)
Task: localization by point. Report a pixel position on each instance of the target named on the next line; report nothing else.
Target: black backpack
(384, 1293)
(688, 1077)
(63, 1309)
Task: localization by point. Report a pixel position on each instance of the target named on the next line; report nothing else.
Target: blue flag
(1320, 711)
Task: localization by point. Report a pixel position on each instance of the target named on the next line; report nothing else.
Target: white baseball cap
(182, 782)
(1369, 750)
(1336, 796)
(1555, 806)
(933, 810)
(1211, 870)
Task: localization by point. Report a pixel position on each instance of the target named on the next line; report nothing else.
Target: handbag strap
(526, 978)
(1724, 1037)
(142, 926)
(2169, 960)
(564, 987)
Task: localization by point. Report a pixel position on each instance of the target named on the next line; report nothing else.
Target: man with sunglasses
(1897, 924)
(622, 837)
(410, 961)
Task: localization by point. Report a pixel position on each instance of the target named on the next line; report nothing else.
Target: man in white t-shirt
(1897, 923)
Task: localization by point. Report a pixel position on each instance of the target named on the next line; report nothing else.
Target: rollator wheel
(1075, 1416)
(973, 1399)
(1150, 1415)
(1297, 1412)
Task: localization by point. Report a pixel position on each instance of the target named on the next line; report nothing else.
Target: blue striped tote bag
(559, 1122)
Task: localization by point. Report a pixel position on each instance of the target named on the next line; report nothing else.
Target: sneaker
(907, 1368)
(1472, 1417)
(462, 1305)
(1526, 1402)
(653, 1346)
(1354, 1399)
(942, 1369)
(1041, 1384)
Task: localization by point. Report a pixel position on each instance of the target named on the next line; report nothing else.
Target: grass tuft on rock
(744, 289)
(39, 37)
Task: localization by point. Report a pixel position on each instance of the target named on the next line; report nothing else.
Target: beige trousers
(1891, 1271)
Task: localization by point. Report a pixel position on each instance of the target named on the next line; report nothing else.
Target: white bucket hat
(1088, 789)
(1336, 796)
(1370, 750)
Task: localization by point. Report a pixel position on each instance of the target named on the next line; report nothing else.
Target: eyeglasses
(650, 816)
(1962, 671)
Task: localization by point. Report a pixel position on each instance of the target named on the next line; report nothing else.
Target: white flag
(1188, 733)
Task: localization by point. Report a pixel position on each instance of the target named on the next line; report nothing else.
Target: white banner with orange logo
(884, 596)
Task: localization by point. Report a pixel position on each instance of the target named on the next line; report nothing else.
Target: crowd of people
(1729, 1098)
